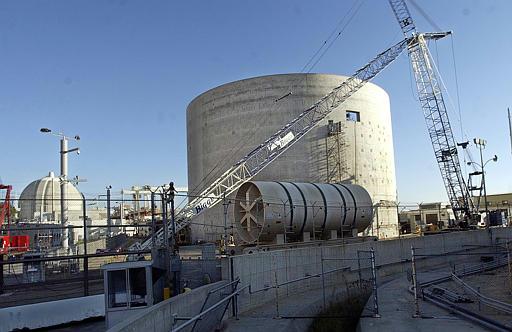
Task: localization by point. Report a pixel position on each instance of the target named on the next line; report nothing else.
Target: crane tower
(434, 111)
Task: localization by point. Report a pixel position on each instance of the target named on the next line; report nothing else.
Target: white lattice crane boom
(435, 112)
(275, 145)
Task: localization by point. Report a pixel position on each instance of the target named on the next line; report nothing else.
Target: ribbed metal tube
(264, 209)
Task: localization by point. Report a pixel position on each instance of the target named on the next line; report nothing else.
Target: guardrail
(200, 316)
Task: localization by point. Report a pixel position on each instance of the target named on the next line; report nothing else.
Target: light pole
(63, 180)
(481, 145)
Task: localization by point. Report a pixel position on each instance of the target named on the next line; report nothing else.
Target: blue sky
(121, 73)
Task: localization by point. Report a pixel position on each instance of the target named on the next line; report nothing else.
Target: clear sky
(121, 73)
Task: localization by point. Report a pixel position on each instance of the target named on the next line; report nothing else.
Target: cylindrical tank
(228, 121)
(263, 209)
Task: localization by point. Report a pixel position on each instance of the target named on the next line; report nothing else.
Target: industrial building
(39, 207)
(40, 200)
(353, 144)
(434, 215)
(498, 205)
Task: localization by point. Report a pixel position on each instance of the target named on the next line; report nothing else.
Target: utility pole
(481, 145)
(175, 258)
(173, 224)
(225, 242)
(66, 241)
(109, 219)
(63, 191)
(153, 219)
(166, 235)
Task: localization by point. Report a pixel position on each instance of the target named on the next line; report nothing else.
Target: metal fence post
(236, 305)
(277, 294)
(374, 282)
(415, 285)
(359, 267)
(479, 300)
(323, 275)
(86, 259)
(109, 219)
(509, 267)
(153, 221)
(165, 245)
(232, 278)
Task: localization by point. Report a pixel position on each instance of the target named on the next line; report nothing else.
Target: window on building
(431, 218)
(353, 116)
(138, 289)
(117, 292)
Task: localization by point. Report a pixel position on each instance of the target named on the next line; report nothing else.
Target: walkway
(396, 306)
(264, 318)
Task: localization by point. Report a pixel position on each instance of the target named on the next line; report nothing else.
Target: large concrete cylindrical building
(353, 144)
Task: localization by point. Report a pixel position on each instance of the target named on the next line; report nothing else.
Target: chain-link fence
(329, 274)
(64, 252)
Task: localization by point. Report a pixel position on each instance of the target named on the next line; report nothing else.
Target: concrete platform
(266, 318)
(396, 306)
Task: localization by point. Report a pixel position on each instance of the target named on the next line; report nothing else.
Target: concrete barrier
(40, 315)
(263, 269)
(159, 317)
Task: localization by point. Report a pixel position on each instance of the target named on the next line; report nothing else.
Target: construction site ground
(396, 303)
(494, 284)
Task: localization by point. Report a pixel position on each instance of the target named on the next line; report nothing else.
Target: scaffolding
(335, 151)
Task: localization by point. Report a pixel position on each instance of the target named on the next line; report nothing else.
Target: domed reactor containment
(353, 145)
(40, 201)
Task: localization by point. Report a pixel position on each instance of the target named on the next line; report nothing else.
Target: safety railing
(192, 322)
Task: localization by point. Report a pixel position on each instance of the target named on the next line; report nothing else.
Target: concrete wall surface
(198, 272)
(229, 121)
(262, 270)
(51, 313)
(159, 317)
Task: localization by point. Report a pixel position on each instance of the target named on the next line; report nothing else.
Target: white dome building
(40, 201)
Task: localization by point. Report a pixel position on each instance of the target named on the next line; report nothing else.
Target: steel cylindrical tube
(264, 209)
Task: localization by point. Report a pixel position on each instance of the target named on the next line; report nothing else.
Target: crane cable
(326, 49)
(425, 15)
(329, 37)
(463, 134)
